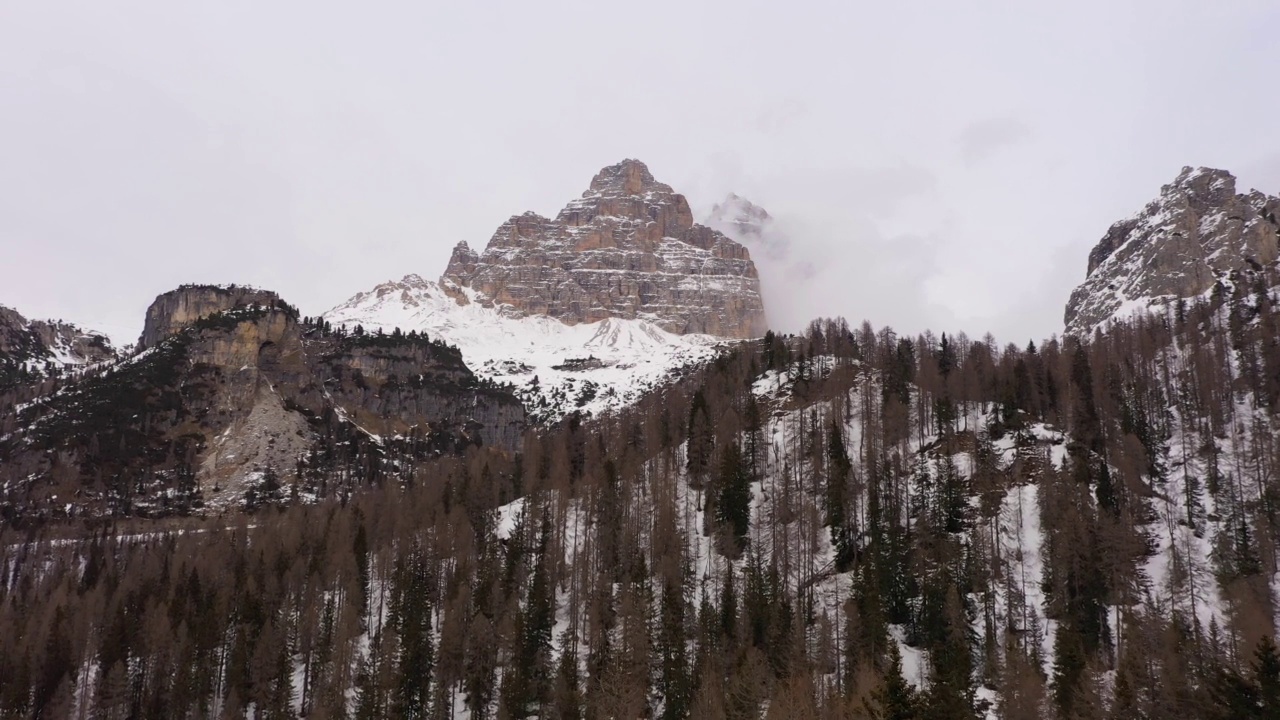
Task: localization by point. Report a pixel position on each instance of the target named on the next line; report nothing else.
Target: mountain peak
(629, 177)
(745, 217)
(32, 349)
(1202, 187)
(627, 248)
(462, 263)
(1197, 232)
(172, 311)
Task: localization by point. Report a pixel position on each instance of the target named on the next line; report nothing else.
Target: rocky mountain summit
(34, 349)
(617, 295)
(628, 248)
(177, 309)
(746, 222)
(1197, 233)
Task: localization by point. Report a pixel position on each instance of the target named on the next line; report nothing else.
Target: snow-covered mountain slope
(555, 368)
(786, 506)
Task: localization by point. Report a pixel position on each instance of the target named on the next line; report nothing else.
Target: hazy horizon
(936, 167)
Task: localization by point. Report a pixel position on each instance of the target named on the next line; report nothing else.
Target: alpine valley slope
(588, 311)
(848, 523)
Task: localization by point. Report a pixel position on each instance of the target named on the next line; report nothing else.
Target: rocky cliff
(628, 248)
(1199, 231)
(393, 385)
(180, 308)
(242, 401)
(31, 350)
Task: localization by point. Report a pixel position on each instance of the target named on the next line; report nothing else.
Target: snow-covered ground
(556, 368)
(787, 523)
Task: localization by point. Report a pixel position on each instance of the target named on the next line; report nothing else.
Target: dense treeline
(848, 523)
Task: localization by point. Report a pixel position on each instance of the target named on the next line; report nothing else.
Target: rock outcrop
(1199, 231)
(228, 404)
(178, 309)
(392, 386)
(33, 349)
(628, 248)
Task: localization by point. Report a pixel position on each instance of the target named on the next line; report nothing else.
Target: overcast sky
(936, 164)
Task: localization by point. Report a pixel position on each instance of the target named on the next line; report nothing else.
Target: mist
(932, 166)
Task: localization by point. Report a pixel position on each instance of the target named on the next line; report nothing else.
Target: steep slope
(849, 523)
(180, 308)
(1196, 234)
(555, 368)
(236, 400)
(34, 349)
(628, 248)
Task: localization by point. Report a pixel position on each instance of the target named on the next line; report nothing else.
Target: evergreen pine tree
(674, 682)
(733, 506)
(895, 698)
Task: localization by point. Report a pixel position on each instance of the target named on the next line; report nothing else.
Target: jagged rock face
(1198, 231)
(213, 408)
(391, 389)
(628, 248)
(17, 341)
(274, 375)
(32, 349)
(178, 309)
(73, 345)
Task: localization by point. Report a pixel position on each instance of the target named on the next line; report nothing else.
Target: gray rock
(30, 349)
(178, 309)
(1198, 231)
(628, 248)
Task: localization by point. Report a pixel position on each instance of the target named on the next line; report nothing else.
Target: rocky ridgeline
(34, 349)
(235, 387)
(1199, 231)
(180, 308)
(628, 248)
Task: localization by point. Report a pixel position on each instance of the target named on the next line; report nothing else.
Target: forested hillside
(848, 523)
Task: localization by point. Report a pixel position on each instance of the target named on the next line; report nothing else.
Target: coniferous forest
(846, 523)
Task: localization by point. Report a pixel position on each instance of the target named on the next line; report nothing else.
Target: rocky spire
(629, 177)
(462, 264)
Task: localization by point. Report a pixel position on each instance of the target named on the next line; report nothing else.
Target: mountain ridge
(849, 522)
(1193, 236)
(34, 349)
